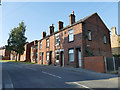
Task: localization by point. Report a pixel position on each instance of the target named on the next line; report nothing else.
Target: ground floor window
(40, 56)
(57, 56)
(33, 59)
(47, 56)
(71, 55)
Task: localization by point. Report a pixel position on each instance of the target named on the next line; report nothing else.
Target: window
(40, 56)
(47, 56)
(36, 54)
(71, 36)
(57, 56)
(47, 41)
(105, 39)
(71, 55)
(37, 47)
(33, 59)
(40, 44)
(89, 35)
(36, 43)
(57, 39)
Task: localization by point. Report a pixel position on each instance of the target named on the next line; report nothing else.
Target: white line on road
(51, 74)
(82, 85)
(9, 83)
(31, 68)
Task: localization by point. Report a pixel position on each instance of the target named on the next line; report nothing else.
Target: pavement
(19, 75)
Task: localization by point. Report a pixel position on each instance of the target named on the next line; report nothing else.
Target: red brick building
(4, 54)
(69, 45)
(26, 55)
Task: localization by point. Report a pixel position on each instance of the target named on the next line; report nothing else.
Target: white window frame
(57, 53)
(40, 44)
(47, 56)
(89, 35)
(71, 51)
(57, 39)
(47, 42)
(71, 34)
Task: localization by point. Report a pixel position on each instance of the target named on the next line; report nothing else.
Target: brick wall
(6, 58)
(95, 63)
(98, 30)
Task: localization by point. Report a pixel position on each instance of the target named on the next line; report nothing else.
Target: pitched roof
(80, 21)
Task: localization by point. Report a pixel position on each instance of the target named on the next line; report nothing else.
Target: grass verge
(16, 61)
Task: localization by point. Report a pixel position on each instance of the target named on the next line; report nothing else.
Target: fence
(112, 64)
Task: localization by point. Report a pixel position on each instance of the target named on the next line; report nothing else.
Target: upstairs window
(105, 39)
(89, 35)
(71, 36)
(47, 41)
(40, 44)
(57, 39)
(37, 47)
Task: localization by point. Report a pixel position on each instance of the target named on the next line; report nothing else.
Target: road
(19, 75)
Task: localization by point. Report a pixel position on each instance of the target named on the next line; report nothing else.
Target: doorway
(42, 57)
(50, 62)
(62, 58)
(79, 57)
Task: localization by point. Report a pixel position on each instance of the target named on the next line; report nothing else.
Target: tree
(17, 40)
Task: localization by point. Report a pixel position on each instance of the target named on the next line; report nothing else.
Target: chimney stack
(72, 18)
(51, 29)
(60, 25)
(43, 34)
(113, 31)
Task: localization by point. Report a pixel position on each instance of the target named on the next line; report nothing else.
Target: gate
(112, 64)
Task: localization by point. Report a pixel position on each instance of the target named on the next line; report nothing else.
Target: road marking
(51, 74)
(82, 85)
(10, 85)
(31, 68)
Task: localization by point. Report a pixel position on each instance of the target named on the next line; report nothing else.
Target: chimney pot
(43, 34)
(51, 29)
(113, 31)
(60, 25)
(72, 18)
(72, 12)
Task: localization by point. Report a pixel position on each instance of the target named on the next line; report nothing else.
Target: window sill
(57, 45)
(89, 40)
(70, 41)
(71, 61)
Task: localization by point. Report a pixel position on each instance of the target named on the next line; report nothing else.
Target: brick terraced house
(26, 55)
(69, 45)
(4, 54)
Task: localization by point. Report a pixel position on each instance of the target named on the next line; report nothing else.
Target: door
(50, 58)
(79, 57)
(42, 58)
(63, 59)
